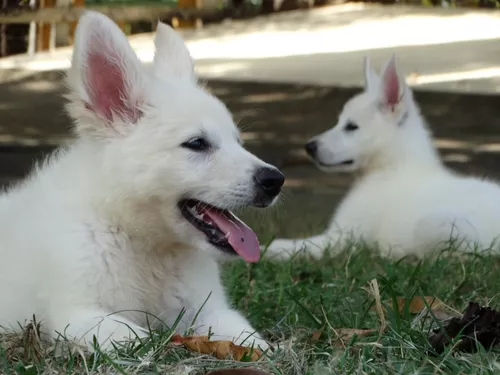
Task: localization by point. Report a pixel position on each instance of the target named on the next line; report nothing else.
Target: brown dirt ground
(278, 119)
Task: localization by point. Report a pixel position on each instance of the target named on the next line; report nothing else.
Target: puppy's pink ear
(391, 85)
(106, 74)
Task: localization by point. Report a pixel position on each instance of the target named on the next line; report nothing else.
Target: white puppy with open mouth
(133, 217)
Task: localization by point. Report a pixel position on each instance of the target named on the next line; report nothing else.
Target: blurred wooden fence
(46, 14)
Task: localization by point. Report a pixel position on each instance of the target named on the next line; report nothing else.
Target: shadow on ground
(277, 120)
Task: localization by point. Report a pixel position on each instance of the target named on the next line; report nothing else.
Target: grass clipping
(218, 349)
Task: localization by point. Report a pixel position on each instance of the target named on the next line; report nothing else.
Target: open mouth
(222, 229)
(345, 162)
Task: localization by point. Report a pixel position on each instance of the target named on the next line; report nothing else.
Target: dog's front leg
(229, 325)
(82, 325)
(282, 249)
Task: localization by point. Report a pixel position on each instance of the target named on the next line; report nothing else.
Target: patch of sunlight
(266, 97)
(295, 182)
(412, 30)
(279, 96)
(39, 86)
(257, 42)
(488, 147)
(30, 141)
(449, 144)
(221, 68)
(272, 136)
(457, 158)
(417, 80)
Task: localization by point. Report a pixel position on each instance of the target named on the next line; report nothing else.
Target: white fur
(404, 200)
(96, 230)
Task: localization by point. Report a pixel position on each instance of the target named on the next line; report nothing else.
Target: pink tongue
(242, 239)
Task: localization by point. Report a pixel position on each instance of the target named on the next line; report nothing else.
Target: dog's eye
(196, 144)
(351, 126)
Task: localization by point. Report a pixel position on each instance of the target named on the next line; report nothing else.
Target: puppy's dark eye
(197, 144)
(351, 126)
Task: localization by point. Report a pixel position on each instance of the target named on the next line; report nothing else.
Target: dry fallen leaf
(317, 334)
(418, 304)
(219, 349)
(344, 335)
(348, 333)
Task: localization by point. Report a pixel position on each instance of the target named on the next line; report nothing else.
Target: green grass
(289, 302)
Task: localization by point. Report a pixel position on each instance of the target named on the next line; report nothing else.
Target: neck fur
(84, 165)
(413, 149)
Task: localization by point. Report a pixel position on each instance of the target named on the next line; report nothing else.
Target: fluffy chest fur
(134, 275)
(71, 253)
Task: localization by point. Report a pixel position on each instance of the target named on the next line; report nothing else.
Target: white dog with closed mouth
(404, 200)
(134, 216)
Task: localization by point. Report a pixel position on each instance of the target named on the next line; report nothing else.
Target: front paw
(245, 339)
(110, 332)
(254, 341)
(87, 327)
(229, 325)
(279, 249)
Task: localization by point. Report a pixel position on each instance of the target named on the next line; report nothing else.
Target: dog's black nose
(311, 148)
(270, 180)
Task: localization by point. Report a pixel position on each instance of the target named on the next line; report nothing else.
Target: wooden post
(76, 3)
(122, 25)
(32, 32)
(196, 23)
(81, 4)
(3, 33)
(46, 31)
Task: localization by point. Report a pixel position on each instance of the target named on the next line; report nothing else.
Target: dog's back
(417, 211)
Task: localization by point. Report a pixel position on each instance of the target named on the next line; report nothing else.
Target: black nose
(269, 180)
(311, 148)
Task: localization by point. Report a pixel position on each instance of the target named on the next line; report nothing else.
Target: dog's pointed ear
(392, 86)
(172, 58)
(371, 78)
(106, 79)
